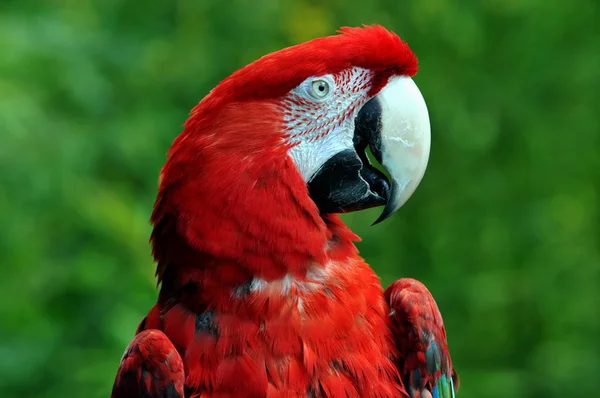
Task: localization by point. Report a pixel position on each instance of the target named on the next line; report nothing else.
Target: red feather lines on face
(308, 120)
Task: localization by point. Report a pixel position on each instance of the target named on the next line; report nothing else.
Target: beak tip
(379, 219)
(396, 198)
(390, 208)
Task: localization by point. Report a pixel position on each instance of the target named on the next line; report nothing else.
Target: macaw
(262, 290)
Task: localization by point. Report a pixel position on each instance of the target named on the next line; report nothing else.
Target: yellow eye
(320, 88)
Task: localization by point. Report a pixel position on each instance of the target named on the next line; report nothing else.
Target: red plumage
(419, 329)
(150, 366)
(261, 295)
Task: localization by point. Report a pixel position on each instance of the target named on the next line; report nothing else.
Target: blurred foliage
(505, 228)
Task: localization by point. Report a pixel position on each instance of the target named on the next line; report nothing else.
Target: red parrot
(262, 290)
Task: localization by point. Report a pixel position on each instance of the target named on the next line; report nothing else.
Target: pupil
(321, 87)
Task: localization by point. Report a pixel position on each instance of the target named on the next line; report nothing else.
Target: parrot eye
(320, 88)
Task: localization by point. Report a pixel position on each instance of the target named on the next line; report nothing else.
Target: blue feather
(433, 358)
(416, 378)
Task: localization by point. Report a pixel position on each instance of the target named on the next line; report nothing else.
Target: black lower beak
(344, 183)
(347, 181)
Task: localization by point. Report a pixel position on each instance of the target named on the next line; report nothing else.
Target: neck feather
(232, 194)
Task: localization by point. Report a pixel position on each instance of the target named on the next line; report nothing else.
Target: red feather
(261, 295)
(150, 367)
(417, 323)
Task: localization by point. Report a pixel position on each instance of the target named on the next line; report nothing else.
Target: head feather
(273, 75)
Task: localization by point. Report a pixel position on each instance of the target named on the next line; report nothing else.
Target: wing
(150, 368)
(424, 360)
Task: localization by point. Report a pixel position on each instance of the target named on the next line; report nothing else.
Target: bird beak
(394, 124)
(401, 140)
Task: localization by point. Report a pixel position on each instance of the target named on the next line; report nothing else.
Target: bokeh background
(505, 228)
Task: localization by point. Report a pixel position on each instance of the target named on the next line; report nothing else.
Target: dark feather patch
(205, 324)
(415, 379)
(311, 392)
(171, 392)
(433, 358)
(243, 290)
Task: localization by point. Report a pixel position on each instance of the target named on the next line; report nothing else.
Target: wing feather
(150, 368)
(424, 359)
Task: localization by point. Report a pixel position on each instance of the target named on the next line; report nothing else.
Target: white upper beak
(405, 134)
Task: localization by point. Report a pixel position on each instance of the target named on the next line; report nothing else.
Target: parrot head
(282, 142)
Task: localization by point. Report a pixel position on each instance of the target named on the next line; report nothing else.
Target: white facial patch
(320, 114)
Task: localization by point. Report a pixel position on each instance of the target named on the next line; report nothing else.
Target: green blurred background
(505, 228)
